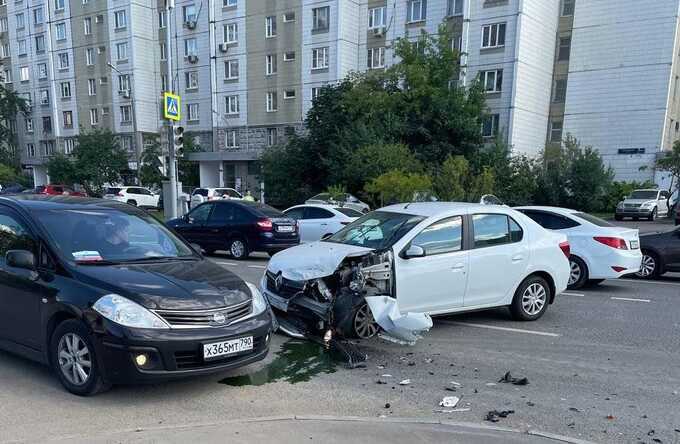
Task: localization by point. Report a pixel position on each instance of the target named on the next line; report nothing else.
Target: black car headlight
(123, 311)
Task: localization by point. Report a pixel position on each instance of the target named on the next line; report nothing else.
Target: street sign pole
(172, 164)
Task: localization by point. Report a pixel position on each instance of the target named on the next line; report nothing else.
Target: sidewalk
(329, 430)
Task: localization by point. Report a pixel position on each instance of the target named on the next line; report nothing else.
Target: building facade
(247, 71)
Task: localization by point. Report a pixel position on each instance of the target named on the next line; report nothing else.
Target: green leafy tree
(396, 186)
(619, 190)
(336, 191)
(457, 181)
(150, 171)
(62, 169)
(99, 159)
(370, 161)
(188, 170)
(11, 104)
(284, 168)
(671, 163)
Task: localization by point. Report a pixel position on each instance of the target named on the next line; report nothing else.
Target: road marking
(226, 263)
(580, 295)
(631, 299)
(645, 282)
(494, 327)
(257, 266)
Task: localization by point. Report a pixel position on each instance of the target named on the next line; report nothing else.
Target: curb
(394, 420)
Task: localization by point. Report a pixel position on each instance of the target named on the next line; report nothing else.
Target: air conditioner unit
(190, 24)
(192, 58)
(224, 47)
(378, 32)
(125, 93)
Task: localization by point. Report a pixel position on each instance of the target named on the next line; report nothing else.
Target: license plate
(284, 228)
(225, 348)
(634, 245)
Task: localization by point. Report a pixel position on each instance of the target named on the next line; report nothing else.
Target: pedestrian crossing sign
(171, 106)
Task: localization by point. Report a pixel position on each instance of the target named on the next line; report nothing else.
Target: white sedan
(402, 263)
(316, 221)
(599, 250)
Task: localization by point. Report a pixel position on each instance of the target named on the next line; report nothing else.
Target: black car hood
(171, 285)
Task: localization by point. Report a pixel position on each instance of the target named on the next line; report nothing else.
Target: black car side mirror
(20, 259)
(414, 251)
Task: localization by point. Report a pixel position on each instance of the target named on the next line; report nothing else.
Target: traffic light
(178, 135)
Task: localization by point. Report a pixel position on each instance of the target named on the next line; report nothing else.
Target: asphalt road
(602, 365)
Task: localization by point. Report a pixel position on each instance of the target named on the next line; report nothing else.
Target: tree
(370, 161)
(62, 169)
(150, 172)
(188, 170)
(396, 186)
(671, 163)
(11, 104)
(99, 159)
(457, 181)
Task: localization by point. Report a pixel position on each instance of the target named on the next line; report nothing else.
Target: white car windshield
(378, 229)
(643, 195)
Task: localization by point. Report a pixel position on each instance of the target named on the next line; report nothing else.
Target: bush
(396, 186)
(456, 181)
(619, 190)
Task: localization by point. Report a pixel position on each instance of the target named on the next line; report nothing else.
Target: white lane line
(631, 299)
(494, 327)
(226, 263)
(257, 266)
(639, 281)
(580, 295)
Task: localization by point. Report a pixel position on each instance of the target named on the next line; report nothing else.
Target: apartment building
(247, 71)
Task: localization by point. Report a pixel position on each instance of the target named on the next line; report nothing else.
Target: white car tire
(531, 299)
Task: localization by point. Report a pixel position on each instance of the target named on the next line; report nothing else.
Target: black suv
(239, 227)
(104, 294)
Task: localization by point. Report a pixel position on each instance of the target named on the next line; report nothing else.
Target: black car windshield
(378, 229)
(649, 194)
(110, 235)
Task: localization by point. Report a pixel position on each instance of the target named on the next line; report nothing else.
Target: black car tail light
(265, 224)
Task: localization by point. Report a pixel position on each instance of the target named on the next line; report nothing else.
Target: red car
(58, 190)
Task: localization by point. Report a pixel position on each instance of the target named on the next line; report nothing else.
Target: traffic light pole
(172, 162)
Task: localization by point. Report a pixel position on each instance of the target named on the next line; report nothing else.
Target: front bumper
(634, 212)
(175, 353)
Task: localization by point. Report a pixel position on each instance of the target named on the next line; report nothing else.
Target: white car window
(443, 236)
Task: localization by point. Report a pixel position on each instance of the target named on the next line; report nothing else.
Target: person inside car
(116, 241)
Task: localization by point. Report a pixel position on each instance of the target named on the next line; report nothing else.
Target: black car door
(193, 225)
(219, 222)
(21, 290)
(672, 258)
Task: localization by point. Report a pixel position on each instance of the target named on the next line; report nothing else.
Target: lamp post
(134, 115)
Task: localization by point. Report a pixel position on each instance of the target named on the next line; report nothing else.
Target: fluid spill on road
(296, 361)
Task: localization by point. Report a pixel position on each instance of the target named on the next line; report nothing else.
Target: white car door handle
(458, 267)
(517, 258)
(323, 225)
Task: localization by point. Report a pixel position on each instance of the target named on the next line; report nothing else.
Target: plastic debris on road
(449, 401)
(405, 382)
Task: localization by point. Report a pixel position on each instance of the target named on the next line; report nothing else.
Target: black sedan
(104, 294)
(660, 253)
(239, 227)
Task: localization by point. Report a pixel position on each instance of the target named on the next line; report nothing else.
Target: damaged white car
(392, 268)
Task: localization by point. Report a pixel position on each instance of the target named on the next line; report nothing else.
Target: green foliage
(370, 161)
(188, 171)
(11, 104)
(396, 186)
(457, 181)
(62, 169)
(284, 168)
(336, 191)
(619, 190)
(671, 163)
(150, 171)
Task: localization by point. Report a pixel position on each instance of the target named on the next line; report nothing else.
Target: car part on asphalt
(494, 415)
(507, 378)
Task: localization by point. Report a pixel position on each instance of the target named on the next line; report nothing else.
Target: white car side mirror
(414, 251)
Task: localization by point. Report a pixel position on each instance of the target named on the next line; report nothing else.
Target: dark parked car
(104, 294)
(239, 227)
(660, 253)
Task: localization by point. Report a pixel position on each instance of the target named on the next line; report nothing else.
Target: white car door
(316, 223)
(498, 259)
(662, 203)
(435, 282)
(297, 213)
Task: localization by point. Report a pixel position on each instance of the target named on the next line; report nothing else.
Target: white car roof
(428, 209)
(325, 206)
(558, 210)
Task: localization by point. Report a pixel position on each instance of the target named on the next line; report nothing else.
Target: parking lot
(602, 365)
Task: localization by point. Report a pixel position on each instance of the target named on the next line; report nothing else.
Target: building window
(560, 91)
(492, 80)
(565, 49)
(229, 3)
(7, 76)
(161, 19)
(59, 4)
(415, 11)
(288, 16)
(126, 144)
(493, 36)
(21, 47)
(190, 47)
(377, 17)
(164, 53)
(119, 19)
(320, 58)
(68, 119)
(320, 19)
(231, 69)
(20, 21)
(189, 13)
(230, 33)
(164, 82)
(91, 87)
(232, 106)
(556, 131)
(231, 139)
(490, 125)
(24, 75)
(270, 64)
(39, 43)
(270, 26)
(568, 7)
(192, 112)
(89, 56)
(47, 124)
(38, 16)
(124, 83)
(94, 116)
(65, 90)
(191, 79)
(63, 60)
(5, 52)
(121, 51)
(69, 144)
(315, 92)
(87, 25)
(289, 56)
(125, 114)
(30, 150)
(272, 102)
(44, 95)
(29, 125)
(60, 31)
(99, 18)
(454, 7)
(376, 57)
(103, 80)
(272, 136)
(289, 94)
(4, 25)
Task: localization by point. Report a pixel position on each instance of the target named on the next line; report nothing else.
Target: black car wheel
(74, 359)
(531, 299)
(578, 273)
(652, 216)
(364, 326)
(649, 269)
(238, 249)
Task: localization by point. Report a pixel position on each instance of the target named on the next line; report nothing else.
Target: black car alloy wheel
(364, 325)
(238, 249)
(649, 266)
